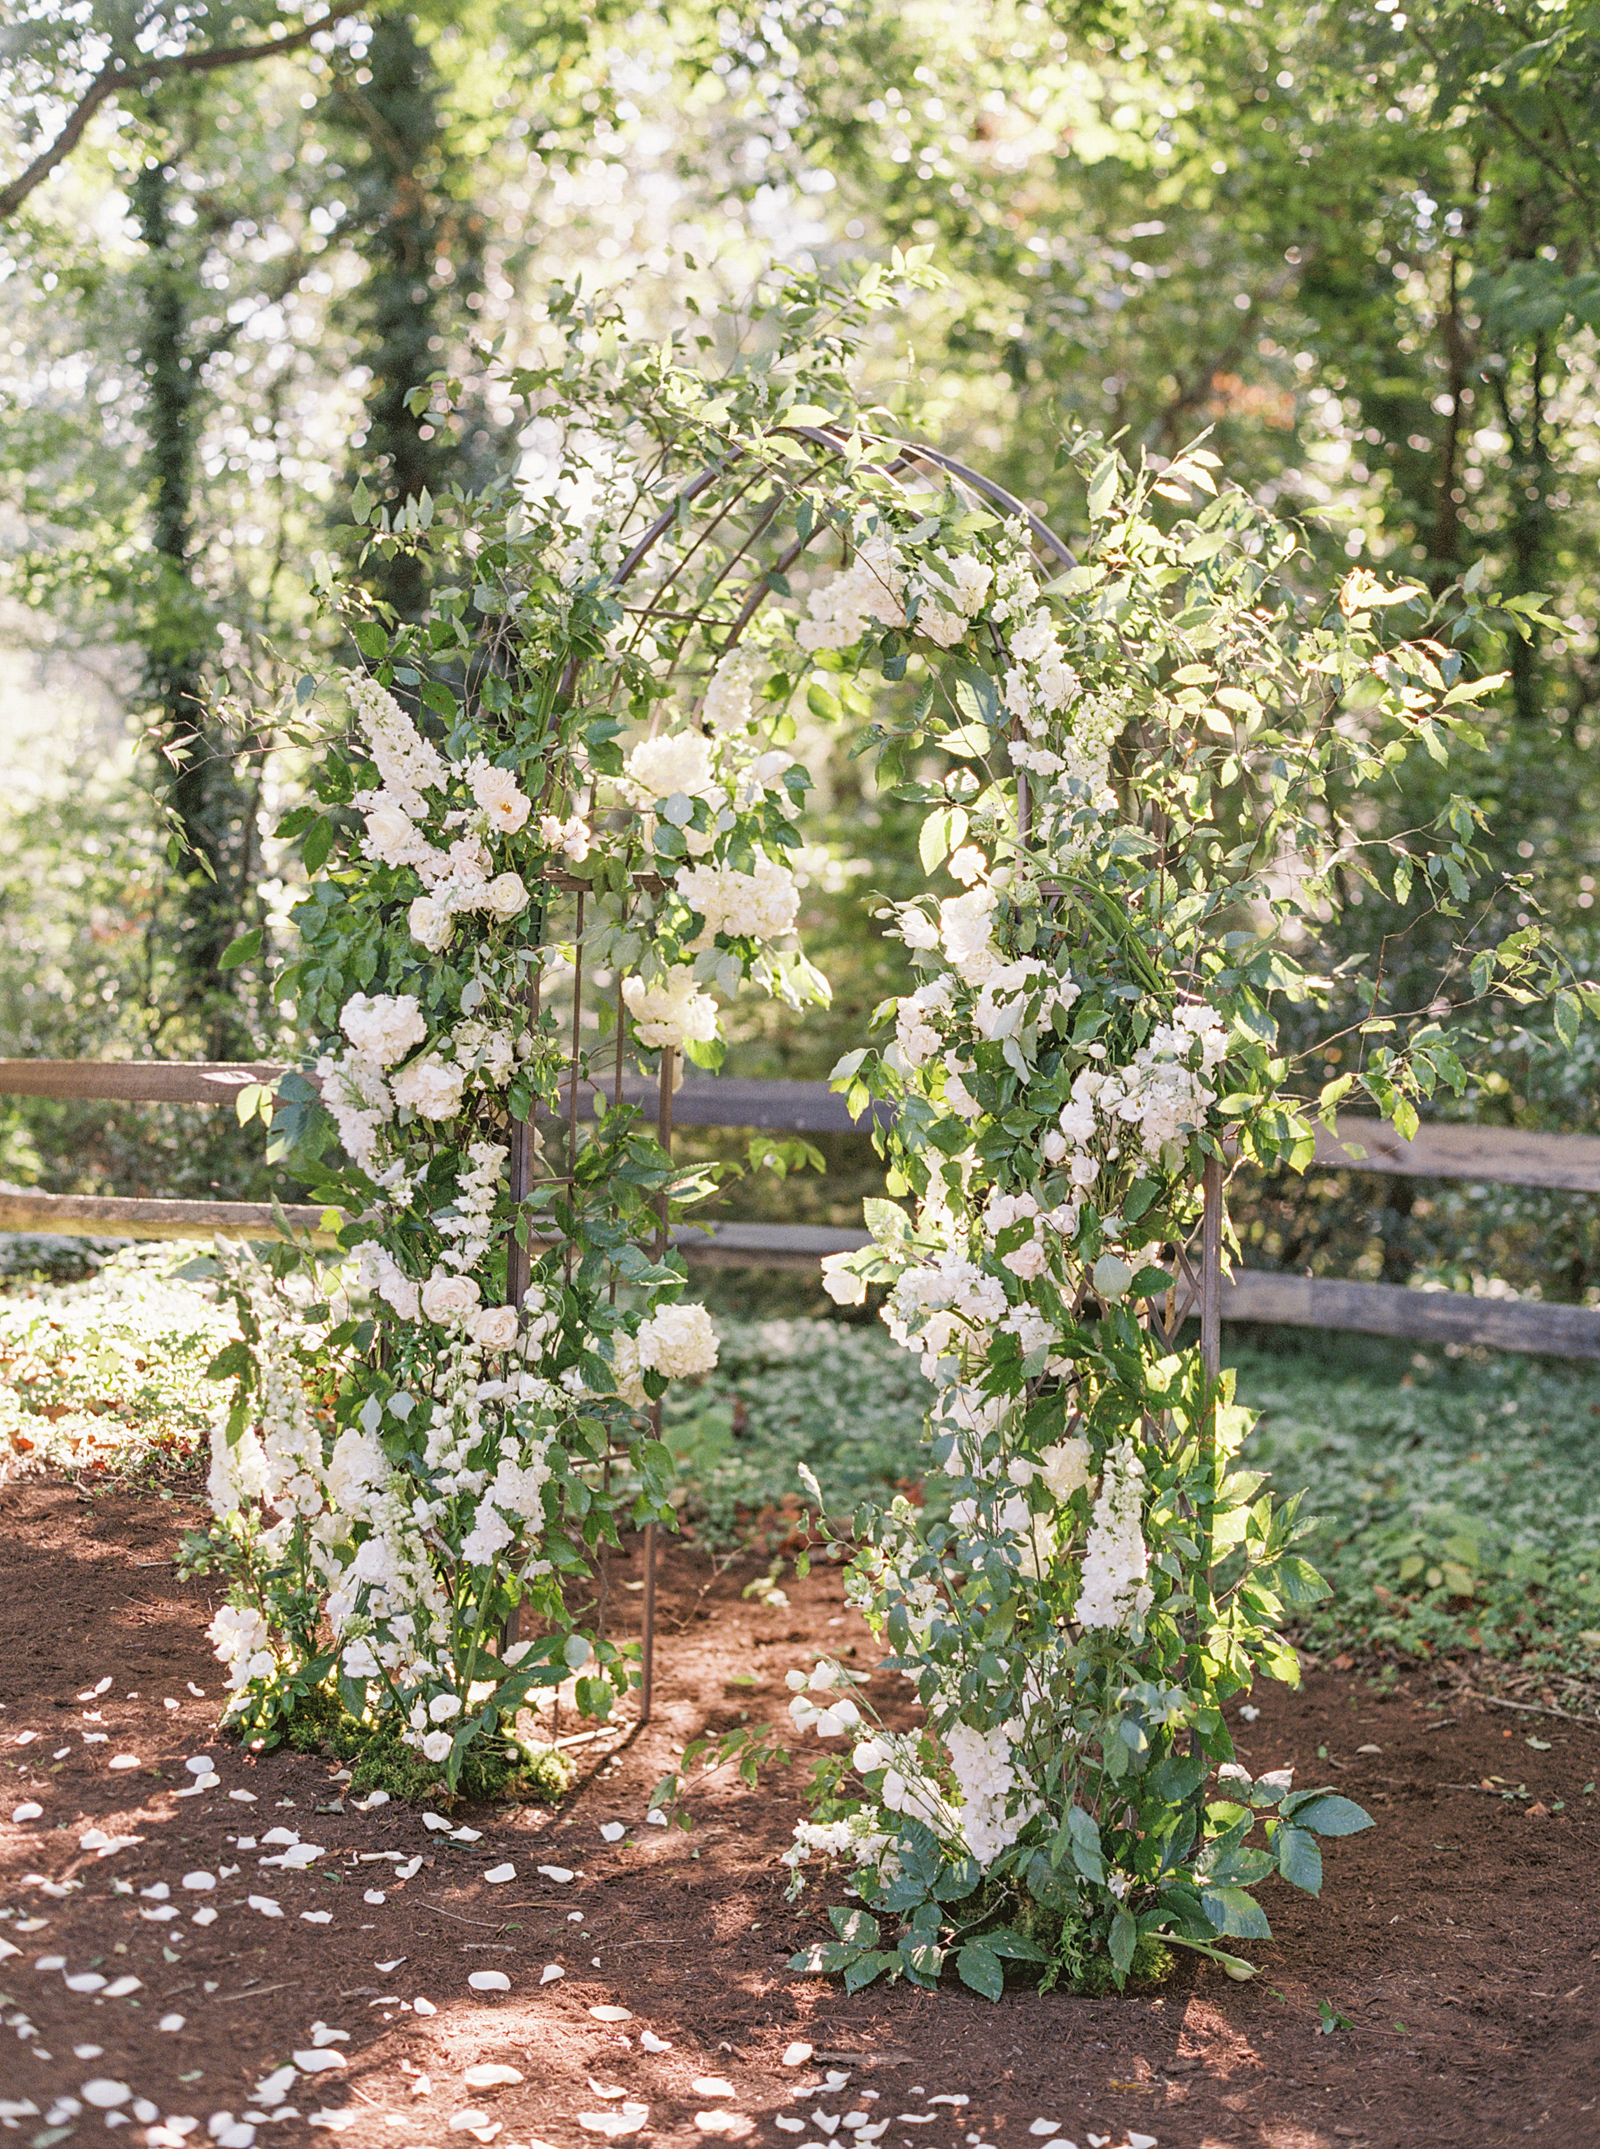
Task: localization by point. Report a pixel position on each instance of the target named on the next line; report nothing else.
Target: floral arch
(551, 833)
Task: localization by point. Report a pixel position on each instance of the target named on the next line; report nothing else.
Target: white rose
(841, 1282)
(384, 1028)
(430, 922)
(447, 1298)
(436, 1746)
(494, 1328)
(443, 1707)
(497, 792)
(431, 1087)
(505, 896)
(390, 839)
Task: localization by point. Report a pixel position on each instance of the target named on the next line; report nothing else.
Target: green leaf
(858, 1927)
(1124, 1939)
(1015, 1947)
(1234, 1914)
(1102, 488)
(978, 1967)
(318, 843)
(1299, 1860)
(1568, 1017)
(1296, 1580)
(370, 639)
(242, 950)
(1328, 1814)
(865, 1968)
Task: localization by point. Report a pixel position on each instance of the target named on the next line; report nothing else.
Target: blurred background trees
(1358, 244)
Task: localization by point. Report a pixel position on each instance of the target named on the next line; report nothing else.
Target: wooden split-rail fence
(1484, 1155)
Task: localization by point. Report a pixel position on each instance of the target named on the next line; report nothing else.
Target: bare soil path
(1458, 1941)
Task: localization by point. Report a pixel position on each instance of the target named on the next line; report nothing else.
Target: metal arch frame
(1197, 1284)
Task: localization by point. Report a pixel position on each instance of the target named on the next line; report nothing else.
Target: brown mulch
(1457, 1939)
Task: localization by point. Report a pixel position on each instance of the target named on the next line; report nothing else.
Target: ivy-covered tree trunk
(214, 825)
(424, 248)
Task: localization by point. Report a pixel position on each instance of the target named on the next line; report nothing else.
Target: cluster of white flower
(572, 837)
(730, 694)
(677, 1341)
(674, 764)
(461, 876)
(1156, 1100)
(761, 905)
(1112, 1589)
(243, 1645)
(383, 1029)
(992, 1813)
(871, 588)
(948, 594)
(669, 1010)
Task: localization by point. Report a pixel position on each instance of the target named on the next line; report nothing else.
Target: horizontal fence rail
(1491, 1155)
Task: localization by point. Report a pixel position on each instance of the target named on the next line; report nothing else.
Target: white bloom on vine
(499, 794)
(431, 1087)
(841, 1282)
(1034, 639)
(1112, 1589)
(391, 838)
(872, 587)
(430, 922)
(669, 1011)
(1027, 1261)
(914, 1034)
(1030, 1328)
(447, 1298)
(383, 1028)
(505, 896)
(968, 864)
(1064, 1468)
(957, 1095)
(436, 1746)
(493, 1328)
(917, 929)
(728, 704)
(677, 764)
(571, 837)
(379, 1271)
(966, 930)
(625, 1371)
(238, 1471)
(760, 905)
(678, 1341)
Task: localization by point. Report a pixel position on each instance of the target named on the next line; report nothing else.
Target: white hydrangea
(761, 905)
(678, 1341)
(385, 1027)
(678, 763)
(669, 1010)
(430, 1087)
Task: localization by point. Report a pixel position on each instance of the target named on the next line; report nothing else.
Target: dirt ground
(1457, 1950)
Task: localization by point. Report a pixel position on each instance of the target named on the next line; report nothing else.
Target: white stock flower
(447, 1298)
(966, 929)
(1112, 1589)
(493, 1328)
(431, 1087)
(571, 837)
(384, 1028)
(677, 1341)
(670, 1011)
(499, 794)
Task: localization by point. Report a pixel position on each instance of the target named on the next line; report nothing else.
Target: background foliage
(1360, 243)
